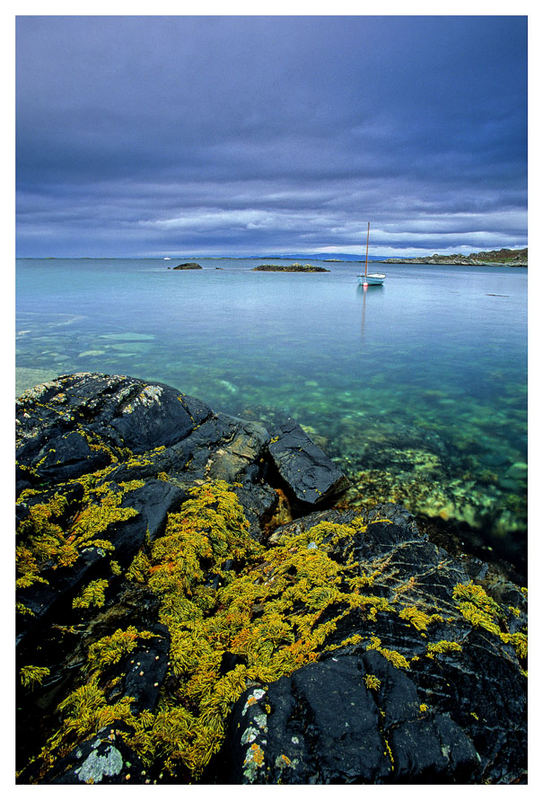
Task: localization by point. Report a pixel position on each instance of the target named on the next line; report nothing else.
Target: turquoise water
(417, 388)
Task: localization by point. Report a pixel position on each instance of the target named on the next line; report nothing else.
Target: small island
(189, 265)
(289, 268)
(504, 257)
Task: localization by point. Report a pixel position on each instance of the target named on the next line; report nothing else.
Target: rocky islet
(289, 268)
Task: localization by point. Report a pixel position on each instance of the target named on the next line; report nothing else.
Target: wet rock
(310, 475)
(145, 671)
(41, 599)
(189, 265)
(153, 501)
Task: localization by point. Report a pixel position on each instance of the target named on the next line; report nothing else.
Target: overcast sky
(156, 136)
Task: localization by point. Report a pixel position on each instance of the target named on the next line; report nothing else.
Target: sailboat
(373, 278)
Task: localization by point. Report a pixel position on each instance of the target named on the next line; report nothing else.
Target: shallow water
(417, 388)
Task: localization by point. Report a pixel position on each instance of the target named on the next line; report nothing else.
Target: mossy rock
(358, 597)
(168, 622)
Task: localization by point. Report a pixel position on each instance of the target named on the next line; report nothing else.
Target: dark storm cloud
(150, 135)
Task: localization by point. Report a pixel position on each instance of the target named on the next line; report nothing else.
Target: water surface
(417, 388)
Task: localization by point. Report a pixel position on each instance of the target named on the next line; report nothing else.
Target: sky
(141, 136)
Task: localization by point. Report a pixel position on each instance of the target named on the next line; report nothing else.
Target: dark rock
(308, 472)
(456, 715)
(188, 265)
(41, 599)
(68, 456)
(323, 725)
(145, 672)
(105, 759)
(378, 705)
(289, 268)
(154, 501)
(80, 423)
(221, 448)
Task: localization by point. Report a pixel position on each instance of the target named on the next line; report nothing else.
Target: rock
(505, 256)
(310, 475)
(103, 760)
(188, 265)
(151, 502)
(346, 648)
(79, 423)
(427, 693)
(323, 725)
(289, 268)
(144, 672)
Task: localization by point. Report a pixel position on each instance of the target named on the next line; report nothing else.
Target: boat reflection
(363, 290)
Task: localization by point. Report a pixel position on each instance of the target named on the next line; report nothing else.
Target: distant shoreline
(504, 257)
(449, 262)
(497, 258)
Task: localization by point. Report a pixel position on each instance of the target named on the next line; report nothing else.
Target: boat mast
(367, 244)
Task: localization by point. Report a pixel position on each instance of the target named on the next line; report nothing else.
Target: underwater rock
(309, 473)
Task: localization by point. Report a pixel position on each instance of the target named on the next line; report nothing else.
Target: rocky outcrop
(289, 268)
(170, 631)
(420, 680)
(189, 265)
(505, 256)
(309, 474)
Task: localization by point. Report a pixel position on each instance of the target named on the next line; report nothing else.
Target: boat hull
(376, 279)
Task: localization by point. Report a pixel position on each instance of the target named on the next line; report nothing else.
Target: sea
(417, 389)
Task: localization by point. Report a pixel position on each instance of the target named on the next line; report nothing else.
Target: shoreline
(205, 600)
(476, 536)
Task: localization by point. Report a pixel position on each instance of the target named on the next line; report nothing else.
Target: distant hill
(510, 258)
(321, 257)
